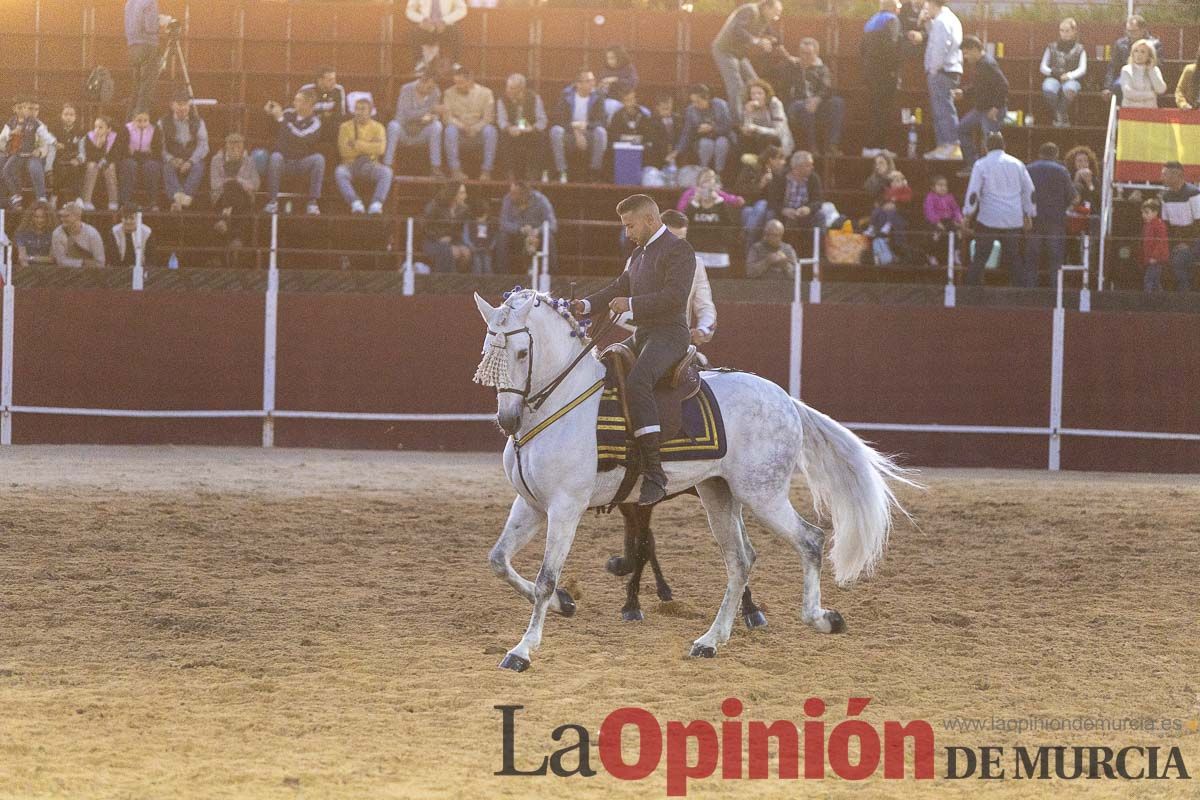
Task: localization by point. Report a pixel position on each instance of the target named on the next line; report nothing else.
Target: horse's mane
(518, 298)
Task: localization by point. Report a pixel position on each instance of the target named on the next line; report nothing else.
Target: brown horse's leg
(647, 543)
(751, 614)
(623, 565)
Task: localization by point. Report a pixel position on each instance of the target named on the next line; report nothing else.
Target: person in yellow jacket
(361, 143)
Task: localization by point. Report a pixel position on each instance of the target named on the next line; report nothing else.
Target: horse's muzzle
(509, 423)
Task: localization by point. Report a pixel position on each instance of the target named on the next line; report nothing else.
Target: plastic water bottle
(173, 262)
(671, 175)
(912, 141)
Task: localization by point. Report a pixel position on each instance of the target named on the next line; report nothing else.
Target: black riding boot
(654, 480)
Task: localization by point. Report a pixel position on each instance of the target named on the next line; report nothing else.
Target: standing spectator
(329, 103)
(1187, 91)
(881, 49)
(711, 221)
(28, 143)
(470, 120)
(880, 178)
(1156, 247)
(763, 120)
(418, 121)
(988, 94)
(999, 206)
(795, 198)
(1063, 64)
(437, 29)
(361, 143)
(701, 313)
(68, 154)
(1141, 80)
(74, 243)
(942, 214)
(233, 180)
(771, 256)
(744, 35)
(521, 118)
(1135, 31)
(1181, 212)
(142, 23)
(103, 150)
(580, 110)
(141, 169)
(707, 135)
(521, 216)
(666, 126)
(185, 146)
(1053, 195)
(811, 104)
(753, 184)
(297, 137)
(618, 70)
(943, 73)
(442, 225)
(33, 236)
(127, 237)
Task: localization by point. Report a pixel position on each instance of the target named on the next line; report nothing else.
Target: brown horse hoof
(756, 619)
(618, 566)
(632, 615)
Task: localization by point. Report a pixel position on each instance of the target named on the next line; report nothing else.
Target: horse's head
(531, 338)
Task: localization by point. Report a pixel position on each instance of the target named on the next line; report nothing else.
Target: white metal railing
(950, 297)
(6, 336)
(796, 325)
(1085, 295)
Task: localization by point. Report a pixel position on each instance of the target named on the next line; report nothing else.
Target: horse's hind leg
(623, 565)
(723, 512)
(752, 615)
(650, 552)
(524, 522)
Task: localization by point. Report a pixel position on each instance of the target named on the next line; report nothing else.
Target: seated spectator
(942, 215)
(813, 108)
(988, 96)
(763, 121)
(712, 223)
(630, 122)
(436, 32)
(795, 199)
(753, 183)
(580, 110)
(1063, 64)
(141, 165)
(707, 181)
(470, 120)
(1082, 158)
(1141, 80)
(771, 256)
(103, 149)
(665, 128)
(1181, 212)
(708, 134)
(521, 118)
(618, 70)
(882, 48)
(329, 103)
(1156, 247)
(361, 143)
(297, 136)
(1187, 91)
(880, 178)
(1135, 31)
(886, 232)
(127, 237)
(898, 190)
(442, 225)
(28, 143)
(233, 180)
(185, 147)
(74, 243)
(480, 236)
(521, 216)
(33, 236)
(1053, 194)
(68, 154)
(418, 121)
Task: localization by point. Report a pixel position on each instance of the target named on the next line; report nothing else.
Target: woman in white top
(763, 121)
(1141, 80)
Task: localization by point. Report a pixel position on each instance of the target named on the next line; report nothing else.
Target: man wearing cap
(1181, 212)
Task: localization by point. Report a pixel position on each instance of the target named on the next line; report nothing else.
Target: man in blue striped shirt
(296, 150)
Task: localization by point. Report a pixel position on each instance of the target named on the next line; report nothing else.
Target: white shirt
(1001, 190)
(943, 53)
(580, 114)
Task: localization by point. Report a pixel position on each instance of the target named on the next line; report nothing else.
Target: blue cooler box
(627, 163)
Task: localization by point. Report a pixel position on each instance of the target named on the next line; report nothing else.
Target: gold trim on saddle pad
(610, 423)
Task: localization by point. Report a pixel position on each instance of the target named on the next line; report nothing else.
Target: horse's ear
(485, 310)
(522, 313)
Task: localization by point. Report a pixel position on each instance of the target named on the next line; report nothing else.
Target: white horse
(550, 459)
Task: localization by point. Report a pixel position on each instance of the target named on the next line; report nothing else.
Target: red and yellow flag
(1149, 137)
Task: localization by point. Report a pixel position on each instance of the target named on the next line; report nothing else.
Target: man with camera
(142, 24)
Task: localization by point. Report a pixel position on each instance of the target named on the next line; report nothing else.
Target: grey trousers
(659, 348)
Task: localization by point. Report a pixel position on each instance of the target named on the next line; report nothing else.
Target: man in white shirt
(1000, 208)
(943, 73)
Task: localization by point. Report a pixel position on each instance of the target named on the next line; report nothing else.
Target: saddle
(681, 383)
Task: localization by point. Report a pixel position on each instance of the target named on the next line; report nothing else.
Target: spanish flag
(1149, 137)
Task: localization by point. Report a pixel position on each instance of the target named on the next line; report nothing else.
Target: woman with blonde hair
(1141, 79)
(764, 121)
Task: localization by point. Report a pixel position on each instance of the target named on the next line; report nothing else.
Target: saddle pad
(701, 438)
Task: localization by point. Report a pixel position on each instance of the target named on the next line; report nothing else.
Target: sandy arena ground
(211, 623)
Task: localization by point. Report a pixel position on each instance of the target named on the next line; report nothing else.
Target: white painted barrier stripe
(372, 417)
(938, 428)
(1103, 434)
(136, 413)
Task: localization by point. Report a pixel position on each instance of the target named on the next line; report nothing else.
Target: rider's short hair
(636, 203)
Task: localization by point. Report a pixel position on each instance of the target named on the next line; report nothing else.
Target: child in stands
(102, 150)
(1156, 249)
(68, 157)
(942, 213)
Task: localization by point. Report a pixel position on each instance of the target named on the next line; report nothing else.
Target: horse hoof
(754, 620)
(664, 593)
(632, 615)
(616, 565)
(514, 662)
(836, 623)
(566, 603)
(703, 651)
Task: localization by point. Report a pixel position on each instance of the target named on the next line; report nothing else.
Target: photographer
(142, 23)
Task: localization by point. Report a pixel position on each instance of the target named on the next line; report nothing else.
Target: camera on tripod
(173, 26)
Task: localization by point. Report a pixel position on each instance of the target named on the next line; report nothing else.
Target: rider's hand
(577, 308)
(619, 305)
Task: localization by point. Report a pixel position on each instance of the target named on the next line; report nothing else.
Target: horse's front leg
(560, 533)
(524, 522)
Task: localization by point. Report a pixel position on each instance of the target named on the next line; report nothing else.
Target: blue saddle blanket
(701, 438)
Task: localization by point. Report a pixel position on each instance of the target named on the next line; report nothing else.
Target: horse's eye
(521, 354)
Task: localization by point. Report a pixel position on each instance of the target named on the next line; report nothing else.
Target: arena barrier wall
(942, 386)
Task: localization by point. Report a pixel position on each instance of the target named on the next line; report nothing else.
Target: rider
(654, 287)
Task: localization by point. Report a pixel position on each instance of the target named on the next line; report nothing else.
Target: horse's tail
(849, 481)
